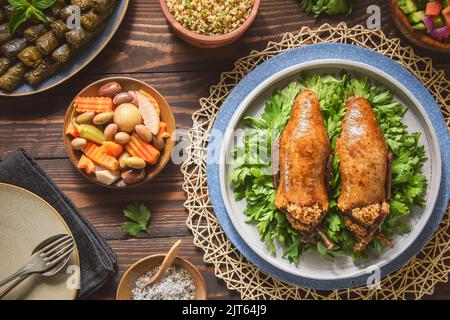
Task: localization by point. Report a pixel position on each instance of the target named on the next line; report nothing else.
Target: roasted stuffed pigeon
(303, 154)
(365, 164)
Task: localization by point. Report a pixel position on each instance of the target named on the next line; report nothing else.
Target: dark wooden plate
(418, 38)
(80, 59)
(166, 116)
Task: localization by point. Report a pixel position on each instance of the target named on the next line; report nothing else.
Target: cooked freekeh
(210, 17)
(367, 215)
(308, 215)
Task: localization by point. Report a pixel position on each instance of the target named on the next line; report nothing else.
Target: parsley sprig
(25, 9)
(139, 216)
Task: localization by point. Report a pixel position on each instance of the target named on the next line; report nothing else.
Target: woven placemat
(412, 281)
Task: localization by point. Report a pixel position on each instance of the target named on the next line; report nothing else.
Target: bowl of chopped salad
(209, 23)
(425, 23)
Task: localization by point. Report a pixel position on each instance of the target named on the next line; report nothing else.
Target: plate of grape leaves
(46, 42)
(240, 172)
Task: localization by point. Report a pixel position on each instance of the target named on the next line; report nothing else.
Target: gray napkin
(97, 259)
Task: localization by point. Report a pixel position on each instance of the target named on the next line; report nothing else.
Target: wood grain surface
(145, 48)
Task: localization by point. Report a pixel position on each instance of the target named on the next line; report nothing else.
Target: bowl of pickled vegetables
(118, 132)
(425, 23)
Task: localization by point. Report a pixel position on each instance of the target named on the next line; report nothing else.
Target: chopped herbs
(252, 174)
(25, 9)
(330, 7)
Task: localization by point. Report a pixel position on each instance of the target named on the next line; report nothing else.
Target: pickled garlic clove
(148, 113)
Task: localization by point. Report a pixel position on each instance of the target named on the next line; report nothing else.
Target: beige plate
(25, 221)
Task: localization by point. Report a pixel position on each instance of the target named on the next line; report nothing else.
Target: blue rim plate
(350, 55)
(80, 60)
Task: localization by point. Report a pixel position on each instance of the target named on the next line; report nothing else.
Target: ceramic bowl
(166, 116)
(416, 37)
(127, 283)
(204, 41)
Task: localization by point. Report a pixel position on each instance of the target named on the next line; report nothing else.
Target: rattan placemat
(412, 281)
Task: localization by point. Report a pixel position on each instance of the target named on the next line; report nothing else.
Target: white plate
(312, 265)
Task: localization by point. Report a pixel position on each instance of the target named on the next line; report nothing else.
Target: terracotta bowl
(127, 283)
(127, 85)
(416, 37)
(203, 41)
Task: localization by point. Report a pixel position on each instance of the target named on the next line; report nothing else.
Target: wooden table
(145, 48)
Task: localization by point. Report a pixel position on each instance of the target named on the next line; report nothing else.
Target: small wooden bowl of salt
(181, 281)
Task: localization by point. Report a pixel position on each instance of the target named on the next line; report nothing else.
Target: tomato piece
(433, 8)
(446, 15)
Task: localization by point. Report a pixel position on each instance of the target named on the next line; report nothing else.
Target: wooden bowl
(127, 85)
(204, 41)
(416, 37)
(127, 283)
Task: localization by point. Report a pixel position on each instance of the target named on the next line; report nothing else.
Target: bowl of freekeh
(210, 23)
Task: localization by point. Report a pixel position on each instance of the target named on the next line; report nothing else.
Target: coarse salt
(176, 284)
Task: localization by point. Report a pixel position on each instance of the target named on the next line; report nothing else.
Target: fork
(60, 248)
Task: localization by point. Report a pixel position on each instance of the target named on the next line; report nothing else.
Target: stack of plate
(423, 116)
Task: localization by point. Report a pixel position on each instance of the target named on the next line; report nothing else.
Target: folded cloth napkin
(97, 260)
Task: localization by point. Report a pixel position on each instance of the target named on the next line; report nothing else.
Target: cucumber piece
(439, 21)
(407, 6)
(417, 17)
(421, 4)
(420, 27)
